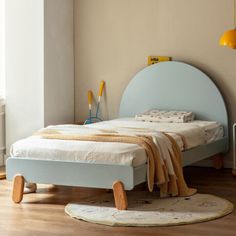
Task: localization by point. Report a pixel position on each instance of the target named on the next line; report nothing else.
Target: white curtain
(2, 81)
(2, 49)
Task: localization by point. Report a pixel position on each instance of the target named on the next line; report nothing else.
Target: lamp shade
(229, 39)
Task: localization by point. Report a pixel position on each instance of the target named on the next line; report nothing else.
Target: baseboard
(2, 173)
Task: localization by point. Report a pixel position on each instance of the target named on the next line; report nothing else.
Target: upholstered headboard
(176, 86)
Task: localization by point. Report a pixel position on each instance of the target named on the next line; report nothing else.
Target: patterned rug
(145, 209)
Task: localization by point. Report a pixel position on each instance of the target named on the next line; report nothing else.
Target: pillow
(166, 116)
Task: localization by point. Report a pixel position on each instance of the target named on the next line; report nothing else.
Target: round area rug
(146, 209)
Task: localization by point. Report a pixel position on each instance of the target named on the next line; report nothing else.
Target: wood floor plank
(42, 213)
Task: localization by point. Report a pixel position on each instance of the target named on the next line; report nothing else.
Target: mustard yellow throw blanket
(167, 176)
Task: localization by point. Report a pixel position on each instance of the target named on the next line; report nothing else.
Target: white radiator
(2, 132)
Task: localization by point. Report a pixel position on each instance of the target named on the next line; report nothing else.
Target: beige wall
(58, 62)
(113, 39)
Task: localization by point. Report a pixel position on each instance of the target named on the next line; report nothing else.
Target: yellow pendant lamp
(229, 37)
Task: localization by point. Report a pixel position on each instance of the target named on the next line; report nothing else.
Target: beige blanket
(168, 176)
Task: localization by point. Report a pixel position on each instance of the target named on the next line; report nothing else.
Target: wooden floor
(43, 213)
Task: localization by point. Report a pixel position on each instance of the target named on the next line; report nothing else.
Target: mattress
(35, 147)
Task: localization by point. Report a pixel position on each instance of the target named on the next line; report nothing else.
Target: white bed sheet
(35, 147)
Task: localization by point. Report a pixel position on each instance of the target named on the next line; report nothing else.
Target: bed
(167, 85)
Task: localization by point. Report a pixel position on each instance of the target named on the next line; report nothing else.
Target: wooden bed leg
(234, 172)
(218, 162)
(18, 188)
(30, 188)
(120, 196)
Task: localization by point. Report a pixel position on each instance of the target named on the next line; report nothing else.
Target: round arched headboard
(174, 86)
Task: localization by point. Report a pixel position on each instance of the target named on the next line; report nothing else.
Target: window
(2, 48)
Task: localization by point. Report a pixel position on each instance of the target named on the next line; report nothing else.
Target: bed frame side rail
(72, 173)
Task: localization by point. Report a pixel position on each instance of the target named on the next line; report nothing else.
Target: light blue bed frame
(167, 85)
